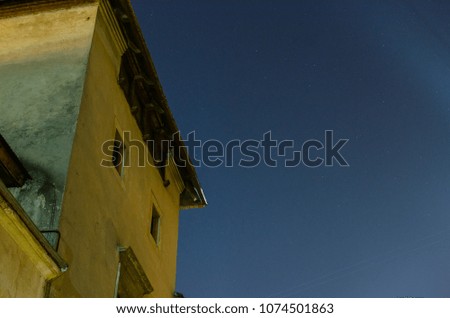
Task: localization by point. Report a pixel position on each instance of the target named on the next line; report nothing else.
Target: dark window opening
(118, 153)
(155, 225)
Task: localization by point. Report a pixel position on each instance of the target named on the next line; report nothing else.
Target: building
(90, 192)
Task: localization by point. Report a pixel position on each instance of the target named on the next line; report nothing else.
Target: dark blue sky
(377, 74)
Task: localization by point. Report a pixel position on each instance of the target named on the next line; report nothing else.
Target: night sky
(375, 73)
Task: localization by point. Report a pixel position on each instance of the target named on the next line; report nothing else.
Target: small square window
(118, 153)
(155, 225)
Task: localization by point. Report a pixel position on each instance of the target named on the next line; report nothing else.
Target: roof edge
(193, 196)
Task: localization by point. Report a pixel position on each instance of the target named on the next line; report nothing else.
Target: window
(118, 153)
(155, 225)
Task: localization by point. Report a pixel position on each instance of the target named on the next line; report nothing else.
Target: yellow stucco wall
(18, 276)
(37, 35)
(102, 210)
(25, 266)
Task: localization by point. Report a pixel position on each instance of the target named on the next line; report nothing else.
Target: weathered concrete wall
(103, 210)
(43, 60)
